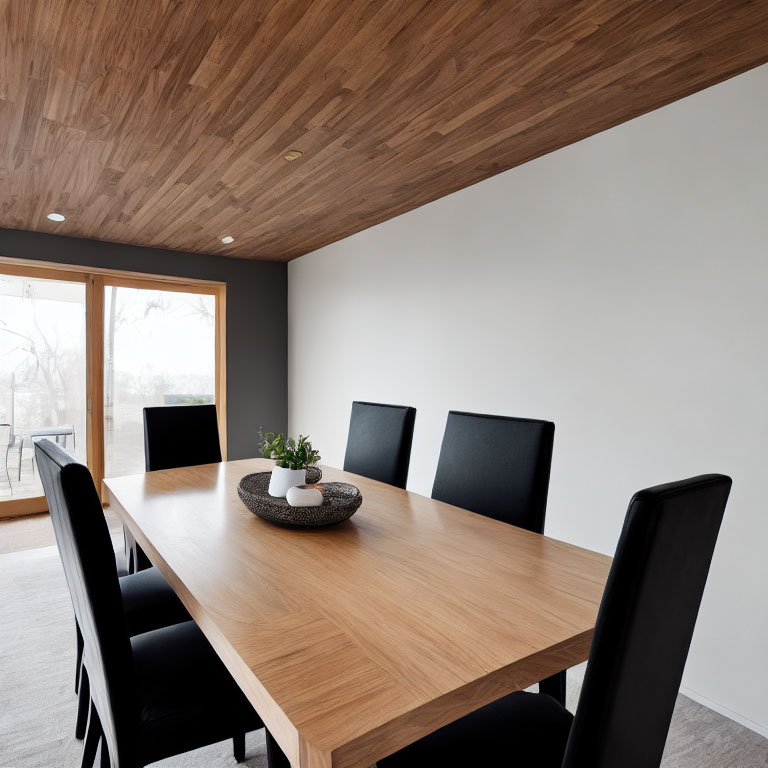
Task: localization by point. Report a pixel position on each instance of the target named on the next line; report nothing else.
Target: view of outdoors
(159, 349)
(42, 375)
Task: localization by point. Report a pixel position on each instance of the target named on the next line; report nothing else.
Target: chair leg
(140, 560)
(127, 551)
(7, 473)
(238, 747)
(79, 661)
(555, 687)
(105, 761)
(83, 704)
(92, 739)
(275, 756)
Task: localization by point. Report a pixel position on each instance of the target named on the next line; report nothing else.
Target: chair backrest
(180, 436)
(86, 552)
(379, 442)
(645, 624)
(497, 466)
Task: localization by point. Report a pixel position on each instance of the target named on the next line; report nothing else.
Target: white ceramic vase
(304, 496)
(282, 479)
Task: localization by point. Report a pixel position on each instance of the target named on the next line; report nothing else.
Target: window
(42, 376)
(82, 353)
(159, 349)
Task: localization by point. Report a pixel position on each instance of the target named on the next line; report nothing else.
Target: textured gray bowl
(340, 502)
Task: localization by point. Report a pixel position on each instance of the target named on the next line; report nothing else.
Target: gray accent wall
(256, 318)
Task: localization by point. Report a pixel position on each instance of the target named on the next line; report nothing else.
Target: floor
(14, 487)
(20, 533)
(38, 702)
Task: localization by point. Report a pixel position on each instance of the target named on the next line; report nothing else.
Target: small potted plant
(292, 457)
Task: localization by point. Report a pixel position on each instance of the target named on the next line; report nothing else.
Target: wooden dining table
(355, 640)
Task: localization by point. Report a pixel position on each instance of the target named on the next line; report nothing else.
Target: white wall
(618, 287)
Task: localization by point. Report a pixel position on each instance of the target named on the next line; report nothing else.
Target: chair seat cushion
(149, 602)
(187, 697)
(522, 729)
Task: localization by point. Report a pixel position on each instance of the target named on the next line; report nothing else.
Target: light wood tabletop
(353, 641)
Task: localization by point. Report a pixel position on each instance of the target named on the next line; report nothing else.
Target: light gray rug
(37, 701)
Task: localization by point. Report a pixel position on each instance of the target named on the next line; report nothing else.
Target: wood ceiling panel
(164, 123)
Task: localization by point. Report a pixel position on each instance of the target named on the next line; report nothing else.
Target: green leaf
(287, 451)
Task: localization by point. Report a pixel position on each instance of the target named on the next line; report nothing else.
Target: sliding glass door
(82, 353)
(159, 349)
(42, 378)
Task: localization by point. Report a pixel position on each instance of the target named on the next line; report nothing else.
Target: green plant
(287, 452)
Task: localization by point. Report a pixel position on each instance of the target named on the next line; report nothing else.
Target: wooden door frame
(95, 281)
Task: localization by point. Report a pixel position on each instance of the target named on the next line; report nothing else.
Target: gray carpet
(37, 701)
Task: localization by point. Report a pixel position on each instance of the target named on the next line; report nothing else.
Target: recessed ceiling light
(294, 154)
(56, 217)
(227, 239)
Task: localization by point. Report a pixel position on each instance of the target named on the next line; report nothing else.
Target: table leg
(275, 756)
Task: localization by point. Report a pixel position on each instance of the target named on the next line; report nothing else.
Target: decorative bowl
(340, 502)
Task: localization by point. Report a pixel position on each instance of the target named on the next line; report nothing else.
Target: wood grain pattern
(352, 642)
(165, 123)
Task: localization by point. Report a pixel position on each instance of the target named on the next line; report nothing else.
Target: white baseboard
(729, 713)
(577, 673)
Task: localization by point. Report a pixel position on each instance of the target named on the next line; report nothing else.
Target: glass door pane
(42, 376)
(159, 349)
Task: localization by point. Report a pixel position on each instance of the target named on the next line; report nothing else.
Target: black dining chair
(154, 695)
(180, 436)
(174, 436)
(148, 603)
(379, 442)
(639, 648)
(498, 466)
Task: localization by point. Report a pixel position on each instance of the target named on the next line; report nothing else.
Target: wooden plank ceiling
(165, 122)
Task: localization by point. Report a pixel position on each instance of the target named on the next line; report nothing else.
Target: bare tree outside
(42, 368)
(159, 349)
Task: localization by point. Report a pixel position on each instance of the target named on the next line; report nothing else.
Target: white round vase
(304, 496)
(282, 479)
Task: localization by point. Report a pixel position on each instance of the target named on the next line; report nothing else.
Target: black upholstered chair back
(180, 436)
(379, 442)
(86, 552)
(645, 624)
(497, 466)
